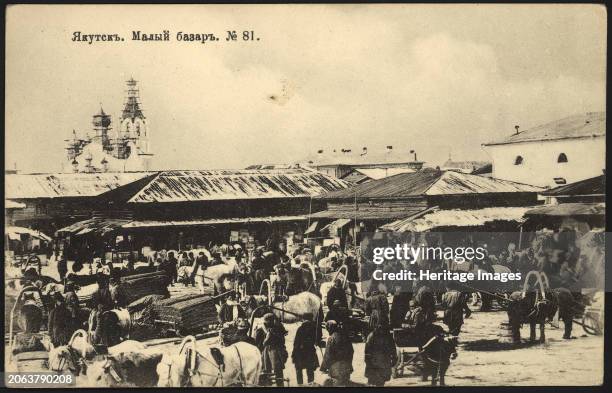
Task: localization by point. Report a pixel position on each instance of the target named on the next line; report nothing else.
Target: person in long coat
(338, 357)
(399, 307)
(271, 342)
(455, 304)
(377, 307)
(62, 267)
(72, 304)
(304, 354)
(60, 321)
(380, 356)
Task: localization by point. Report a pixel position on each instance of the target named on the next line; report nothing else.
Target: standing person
(118, 295)
(336, 293)
(304, 354)
(399, 307)
(271, 342)
(338, 357)
(131, 262)
(199, 266)
(62, 267)
(455, 303)
(169, 267)
(173, 267)
(380, 355)
(59, 322)
(72, 304)
(258, 265)
(377, 306)
(102, 301)
(352, 276)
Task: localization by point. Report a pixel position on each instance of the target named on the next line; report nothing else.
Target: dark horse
(436, 352)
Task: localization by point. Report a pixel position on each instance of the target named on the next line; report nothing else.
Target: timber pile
(138, 286)
(188, 312)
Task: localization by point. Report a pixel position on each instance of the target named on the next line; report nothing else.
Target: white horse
(237, 364)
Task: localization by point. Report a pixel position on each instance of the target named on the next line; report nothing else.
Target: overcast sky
(438, 79)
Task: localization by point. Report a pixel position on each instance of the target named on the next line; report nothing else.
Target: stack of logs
(188, 313)
(139, 285)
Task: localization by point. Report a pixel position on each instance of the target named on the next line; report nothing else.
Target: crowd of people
(411, 312)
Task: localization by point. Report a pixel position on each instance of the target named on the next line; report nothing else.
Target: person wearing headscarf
(380, 355)
(304, 354)
(338, 356)
(271, 342)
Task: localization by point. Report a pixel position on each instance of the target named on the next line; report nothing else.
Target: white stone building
(124, 150)
(561, 152)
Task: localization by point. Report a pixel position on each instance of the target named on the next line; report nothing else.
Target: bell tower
(133, 121)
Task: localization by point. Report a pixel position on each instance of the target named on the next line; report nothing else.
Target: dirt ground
(482, 360)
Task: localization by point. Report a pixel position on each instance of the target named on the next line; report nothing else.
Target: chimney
(364, 151)
(516, 127)
(413, 152)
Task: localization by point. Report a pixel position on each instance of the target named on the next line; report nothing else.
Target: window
(518, 160)
(562, 158)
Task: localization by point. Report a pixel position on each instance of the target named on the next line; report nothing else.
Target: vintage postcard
(304, 195)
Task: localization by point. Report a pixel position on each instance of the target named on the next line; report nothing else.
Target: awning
(212, 221)
(101, 227)
(14, 233)
(97, 226)
(456, 217)
(335, 225)
(367, 214)
(10, 204)
(312, 228)
(568, 210)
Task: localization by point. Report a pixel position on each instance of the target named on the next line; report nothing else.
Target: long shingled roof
(194, 185)
(428, 182)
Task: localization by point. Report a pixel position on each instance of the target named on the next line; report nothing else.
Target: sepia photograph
(304, 195)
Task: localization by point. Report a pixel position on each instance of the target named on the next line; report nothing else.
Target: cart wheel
(591, 325)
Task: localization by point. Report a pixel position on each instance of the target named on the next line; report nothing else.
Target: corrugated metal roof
(569, 209)
(28, 186)
(577, 126)
(188, 186)
(456, 217)
(593, 186)
(429, 182)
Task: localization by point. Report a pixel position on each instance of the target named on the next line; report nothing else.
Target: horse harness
(220, 368)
